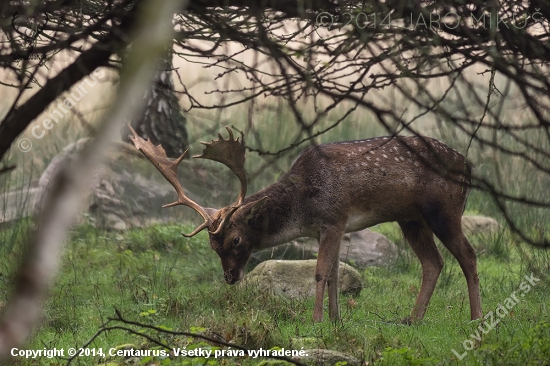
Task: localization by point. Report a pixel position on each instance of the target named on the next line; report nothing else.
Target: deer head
(230, 234)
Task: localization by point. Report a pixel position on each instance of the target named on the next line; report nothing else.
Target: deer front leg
(327, 272)
(332, 283)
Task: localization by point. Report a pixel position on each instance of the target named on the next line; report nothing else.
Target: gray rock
(127, 191)
(296, 279)
(327, 357)
(361, 249)
(17, 203)
(480, 225)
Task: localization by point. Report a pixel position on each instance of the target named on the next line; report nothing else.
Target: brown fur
(348, 186)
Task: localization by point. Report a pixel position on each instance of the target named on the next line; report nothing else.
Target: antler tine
(231, 153)
(168, 169)
(203, 226)
(225, 216)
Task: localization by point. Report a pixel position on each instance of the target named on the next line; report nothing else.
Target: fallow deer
(336, 188)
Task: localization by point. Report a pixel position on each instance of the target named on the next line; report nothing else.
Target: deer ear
(250, 209)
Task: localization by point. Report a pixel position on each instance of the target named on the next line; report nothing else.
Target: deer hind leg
(448, 228)
(420, 238)
(326, 272)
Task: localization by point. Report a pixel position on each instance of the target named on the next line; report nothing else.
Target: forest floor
(155, 277)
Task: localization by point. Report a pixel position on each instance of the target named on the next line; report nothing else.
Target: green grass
(157, 277)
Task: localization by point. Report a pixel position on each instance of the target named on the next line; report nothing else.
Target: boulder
(128, 191)
(480, 225)
(320, 356)
(17, 203)
(361, 249)
(296, 278)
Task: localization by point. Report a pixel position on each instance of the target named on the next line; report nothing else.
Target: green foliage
(402, 356)
(156, 287)
(154, 277)
(532, 348)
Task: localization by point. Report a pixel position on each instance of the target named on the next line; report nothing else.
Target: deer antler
(157, 156)
(231, 153)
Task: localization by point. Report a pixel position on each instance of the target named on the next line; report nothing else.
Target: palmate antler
(229, 152)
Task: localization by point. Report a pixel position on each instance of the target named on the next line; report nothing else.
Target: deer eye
(237, 240)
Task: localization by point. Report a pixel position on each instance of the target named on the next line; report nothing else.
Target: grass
(156, 277)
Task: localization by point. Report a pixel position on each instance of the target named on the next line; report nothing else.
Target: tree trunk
(162, 119)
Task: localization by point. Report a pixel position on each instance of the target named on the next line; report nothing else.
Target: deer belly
(361, 220)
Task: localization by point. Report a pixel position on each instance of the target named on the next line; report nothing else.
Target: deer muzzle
(233, 276)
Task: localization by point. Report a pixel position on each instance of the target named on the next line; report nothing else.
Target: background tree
(162, 119)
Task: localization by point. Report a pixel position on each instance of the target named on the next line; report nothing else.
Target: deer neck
(278, 221)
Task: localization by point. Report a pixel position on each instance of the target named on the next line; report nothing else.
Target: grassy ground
(155, 276)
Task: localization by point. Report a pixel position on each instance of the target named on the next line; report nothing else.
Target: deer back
(376, 180)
